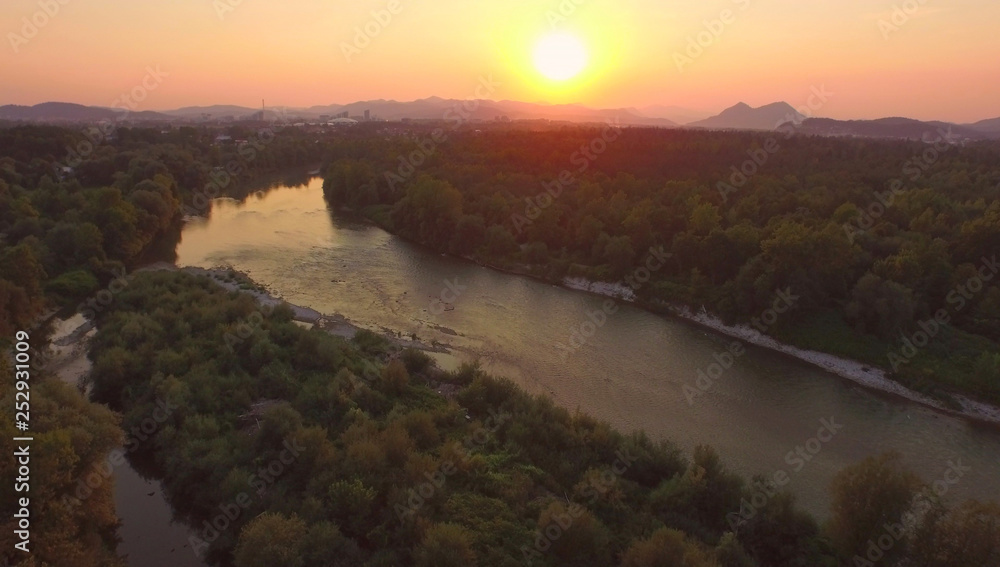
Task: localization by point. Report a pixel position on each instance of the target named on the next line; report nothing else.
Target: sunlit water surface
(630, 373)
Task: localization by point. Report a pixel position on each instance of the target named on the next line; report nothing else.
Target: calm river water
(630, 373)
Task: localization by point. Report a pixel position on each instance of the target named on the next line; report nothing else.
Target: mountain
(433, 108)
(738, 117)
(436, 108)
(901, 128)
(678, 114)
(992, 125)
(69, 112)
(743, 117)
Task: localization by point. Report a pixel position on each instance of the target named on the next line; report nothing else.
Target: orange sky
(942, 61)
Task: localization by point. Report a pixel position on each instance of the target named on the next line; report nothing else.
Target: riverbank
(335, 324)
(858, 372)
(148, 534)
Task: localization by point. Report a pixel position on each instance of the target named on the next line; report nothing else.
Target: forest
(295, 447)
(69, 230)
(79, 209)
(891, 245)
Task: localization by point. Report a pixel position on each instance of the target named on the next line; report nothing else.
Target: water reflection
(631, 372)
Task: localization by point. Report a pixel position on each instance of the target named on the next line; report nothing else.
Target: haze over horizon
(928, 61)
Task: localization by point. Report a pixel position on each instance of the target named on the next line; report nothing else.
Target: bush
(72, 285)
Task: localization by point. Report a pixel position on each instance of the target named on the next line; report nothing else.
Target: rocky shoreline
(860, 373)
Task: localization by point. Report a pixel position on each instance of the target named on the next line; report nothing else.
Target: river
(150, 537)
(630, 373)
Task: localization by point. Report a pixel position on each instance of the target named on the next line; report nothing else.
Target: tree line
(294, 447)
(299, 448)
(71, 224)
(891, 245)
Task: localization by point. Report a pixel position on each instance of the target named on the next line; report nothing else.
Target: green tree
(581, 540)
(395, 377)
(271, 539)
(865, 499)
(499, 242)
(665, 547)
(445, 545)
(883, 308)
(965, 536)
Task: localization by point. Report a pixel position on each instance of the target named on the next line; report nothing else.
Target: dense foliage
(76, 209)
(71, 222)
(71, 523)
(296, 447)
(875, 237)
(387, 471)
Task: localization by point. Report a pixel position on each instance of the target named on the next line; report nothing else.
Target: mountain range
(779, 115)
(899, 128)
(743, 117)
(69, 112)
(433, 108)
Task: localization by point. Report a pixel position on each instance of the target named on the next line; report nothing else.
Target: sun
(560, 56)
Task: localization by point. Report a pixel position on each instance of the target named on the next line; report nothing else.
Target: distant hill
(433, 108)
(69, 112)
(436, 108)
(901, 128)
(744, 117)
(216, 111)
(991, 125)
(678, 114)
(738, 117)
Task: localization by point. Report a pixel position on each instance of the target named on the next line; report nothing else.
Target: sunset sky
(941, 62)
